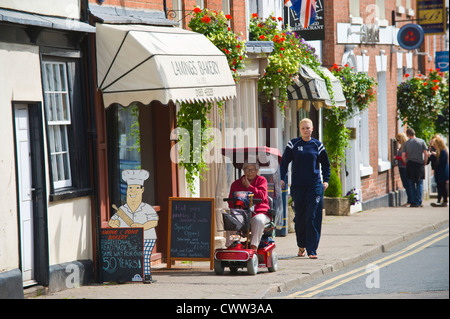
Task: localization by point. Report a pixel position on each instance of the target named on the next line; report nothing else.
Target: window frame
(76, 125)
(59, 147)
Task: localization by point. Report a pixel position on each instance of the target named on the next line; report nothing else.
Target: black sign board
(191, 230)
(122, 253)
(315, 31)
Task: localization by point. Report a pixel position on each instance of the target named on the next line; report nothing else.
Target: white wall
(19, 81)
(69, 221)
(59, 8)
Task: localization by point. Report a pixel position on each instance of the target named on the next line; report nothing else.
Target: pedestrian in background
(401, 139)
(307, 155)
(415, 154)
(440, 159)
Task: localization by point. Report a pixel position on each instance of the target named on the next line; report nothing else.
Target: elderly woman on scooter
(252, 182)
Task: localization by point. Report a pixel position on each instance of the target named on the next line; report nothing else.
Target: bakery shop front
(143, 72)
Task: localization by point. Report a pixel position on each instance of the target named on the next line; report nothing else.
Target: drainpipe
(165, 8)
(96, 219)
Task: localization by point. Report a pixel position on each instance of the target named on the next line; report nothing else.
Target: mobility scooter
(238, 254)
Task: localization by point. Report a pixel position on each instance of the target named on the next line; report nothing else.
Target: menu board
(122, 253)
(191, 230)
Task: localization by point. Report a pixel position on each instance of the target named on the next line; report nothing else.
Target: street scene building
(92, 88)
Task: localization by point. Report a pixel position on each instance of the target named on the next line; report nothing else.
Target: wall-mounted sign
(442, 61)
(315, 31)
(411, 36)
(432, 16)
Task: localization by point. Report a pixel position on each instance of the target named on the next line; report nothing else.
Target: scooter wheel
(218, 267)
(252, 265)
(274, 259)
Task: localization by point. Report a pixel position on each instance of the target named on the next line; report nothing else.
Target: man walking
(415, 154)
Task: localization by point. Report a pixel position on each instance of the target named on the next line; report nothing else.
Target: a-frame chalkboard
(191, 230)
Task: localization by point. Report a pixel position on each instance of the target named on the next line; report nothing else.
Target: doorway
(31, 193)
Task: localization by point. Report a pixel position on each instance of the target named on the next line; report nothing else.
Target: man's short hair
(410, 132)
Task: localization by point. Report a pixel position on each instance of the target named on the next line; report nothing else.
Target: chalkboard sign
(191, 230)
(122, 253)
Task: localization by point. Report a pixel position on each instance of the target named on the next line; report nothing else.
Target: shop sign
(432, 16)
(315, 31)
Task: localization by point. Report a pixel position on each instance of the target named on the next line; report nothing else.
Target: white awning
(339, 97)
(138, 63)
(309, 86)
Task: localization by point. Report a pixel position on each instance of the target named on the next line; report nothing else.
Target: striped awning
(309, 86)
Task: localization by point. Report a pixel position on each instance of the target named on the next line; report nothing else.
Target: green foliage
(192, 118)
(359, 92)
(422, 103)
(352, 195)
(290, 52)
(334, 185)
(214, 25)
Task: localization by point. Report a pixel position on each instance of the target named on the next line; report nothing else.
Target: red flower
(282, 49)
(407, 75)
(254, 15)
(197, 10)
(436, 81)
(262, 37)
(425, 84)
(280, 19)
(228, 16)
(206, 19)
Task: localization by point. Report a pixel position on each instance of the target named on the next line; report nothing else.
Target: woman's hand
(325, 186)
(245, 182)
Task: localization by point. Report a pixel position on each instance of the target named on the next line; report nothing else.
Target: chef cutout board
(127, 246)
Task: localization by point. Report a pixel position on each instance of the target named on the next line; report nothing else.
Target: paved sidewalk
(345, 241)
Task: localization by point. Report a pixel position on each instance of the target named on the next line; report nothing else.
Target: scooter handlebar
(255, 200)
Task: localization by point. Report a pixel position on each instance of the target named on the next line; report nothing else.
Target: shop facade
(47, 196)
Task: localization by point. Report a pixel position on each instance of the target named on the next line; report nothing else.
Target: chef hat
(135, 176)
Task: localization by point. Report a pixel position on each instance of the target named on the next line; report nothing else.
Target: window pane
(59, 106)
(51, 137)
(57, 139)
(63, 77)
(63, 134)
(48, 72)
(56, 77)
(54, 169)
(60, 164)
(66, 166)
(65, 107)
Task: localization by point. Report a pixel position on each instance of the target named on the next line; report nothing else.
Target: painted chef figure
(135, 213)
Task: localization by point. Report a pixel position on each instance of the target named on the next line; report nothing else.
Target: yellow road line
(383, 262)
